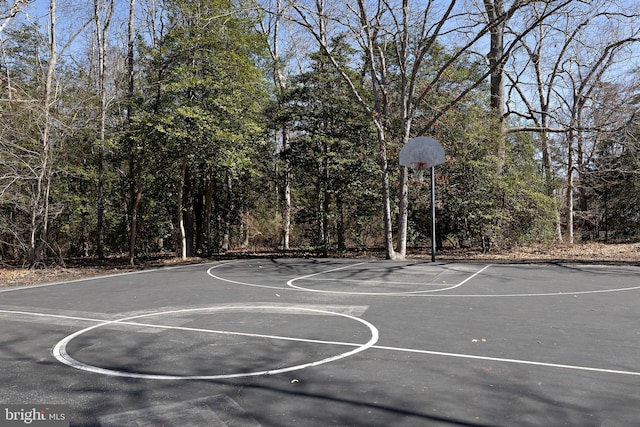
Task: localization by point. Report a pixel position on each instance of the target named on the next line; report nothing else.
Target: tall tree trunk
(319, 217)
(179, 203)
(135, 171)
(340, 223)
(580, 169)
(325, 216)
(189, 213)
(226, 236)
(406, 114)
(272, 30)
(208, 212)
(535, 54)
(548, 171)
(40, 207)
(101, 11)
(244, 227)
(286, 208)
(496, 14)
(199, 228)
(403, 214)
(546, 156)
(386, 197)
(569, 191)
(323, 198)
(135, 203)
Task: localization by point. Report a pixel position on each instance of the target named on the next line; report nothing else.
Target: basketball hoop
(419, 154)
(418, 170)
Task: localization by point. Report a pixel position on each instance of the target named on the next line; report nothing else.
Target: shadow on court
(473, 345)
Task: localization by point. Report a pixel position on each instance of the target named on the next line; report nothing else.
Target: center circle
(59, 351)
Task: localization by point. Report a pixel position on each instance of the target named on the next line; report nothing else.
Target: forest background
(201, 127)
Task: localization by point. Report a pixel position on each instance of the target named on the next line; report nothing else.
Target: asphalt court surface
(323, 342)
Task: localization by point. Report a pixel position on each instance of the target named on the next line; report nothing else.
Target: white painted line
(378, 282)
(472, 276)
(59, 350)
(55, 316)
(236, 282)
(179, 328)
(430, 292)
(44, 285)
(546, 294)
(87, 279)
(242, 334)
(504, 360)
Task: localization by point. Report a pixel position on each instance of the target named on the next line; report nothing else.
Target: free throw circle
(60, 352)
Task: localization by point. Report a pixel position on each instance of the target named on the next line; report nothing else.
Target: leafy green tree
(330, 154)
(475, 205)
(38, 119)
(205, 121)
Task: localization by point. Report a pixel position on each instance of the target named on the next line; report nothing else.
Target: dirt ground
(597, 253)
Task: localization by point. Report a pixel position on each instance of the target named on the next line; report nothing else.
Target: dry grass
(80, 269)
(598, 253)
(614, 253)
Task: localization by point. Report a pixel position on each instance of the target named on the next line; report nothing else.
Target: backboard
(422, 151)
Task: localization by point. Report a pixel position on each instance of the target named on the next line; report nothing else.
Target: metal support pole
(433, 214)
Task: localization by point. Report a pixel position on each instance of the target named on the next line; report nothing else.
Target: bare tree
(584, 84)
(16, 159)
(566, 66)
(270, 25)
(32, 164)
(10, 11)
(135, 172)
(403, 35)
(40, 210)
(43, 172)
(103, 11)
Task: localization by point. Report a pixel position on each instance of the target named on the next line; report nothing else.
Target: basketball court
(324, 342)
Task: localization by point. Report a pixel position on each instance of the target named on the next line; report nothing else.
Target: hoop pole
(433, 214)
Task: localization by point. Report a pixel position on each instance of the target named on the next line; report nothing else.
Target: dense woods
(196, 127)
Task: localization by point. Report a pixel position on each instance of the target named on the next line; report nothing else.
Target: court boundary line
(426, 293)
(98, 277)
(508, 360)
(123, 321)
